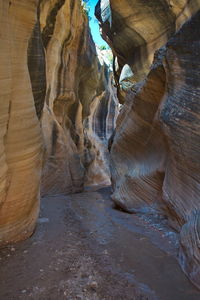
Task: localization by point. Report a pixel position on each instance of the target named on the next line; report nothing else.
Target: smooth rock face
(155, 158)
(78, 101)
(20, 134)
(135, 29)
(138, 153)
(57, 109)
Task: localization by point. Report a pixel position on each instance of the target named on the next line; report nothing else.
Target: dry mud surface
(83, 248)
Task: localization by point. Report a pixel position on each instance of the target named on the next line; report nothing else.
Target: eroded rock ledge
(155, 156)
(57, 109)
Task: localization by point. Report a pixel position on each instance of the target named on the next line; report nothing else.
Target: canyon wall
(135, 29)
(57, 109)
(77, 87)
(21, 148)
(155, 151)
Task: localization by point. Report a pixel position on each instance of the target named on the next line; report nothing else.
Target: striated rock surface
(56, 108)
(138, 153)
(155, 152)
(180, 115)
(135, 29)
(20, 133)
(78, 102)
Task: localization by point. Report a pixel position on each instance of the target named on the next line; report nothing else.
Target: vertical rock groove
(37, 68)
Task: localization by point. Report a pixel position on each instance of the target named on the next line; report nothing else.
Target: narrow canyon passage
(99, 149)
(83, 248)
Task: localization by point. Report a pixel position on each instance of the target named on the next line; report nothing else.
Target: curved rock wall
(21, 141)
(75, 82)
(135, 29)
(180, 116)
(155, 152)
(55, 108)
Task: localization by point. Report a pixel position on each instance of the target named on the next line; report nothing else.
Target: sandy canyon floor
(84, 248)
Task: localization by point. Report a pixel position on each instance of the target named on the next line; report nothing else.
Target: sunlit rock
(57, 109)
(21, 147)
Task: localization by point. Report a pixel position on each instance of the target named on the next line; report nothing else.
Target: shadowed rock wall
(155, 152)
(135, 29)
(53, 90)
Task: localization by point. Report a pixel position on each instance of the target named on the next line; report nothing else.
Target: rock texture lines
(21, 149)
(155, 151)
(56, 109)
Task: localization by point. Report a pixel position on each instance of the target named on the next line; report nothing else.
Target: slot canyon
(100, 150)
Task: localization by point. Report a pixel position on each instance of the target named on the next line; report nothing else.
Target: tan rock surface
(135, 29)
(21, 143)
(75, 82)
(155, 151)
(50, 76)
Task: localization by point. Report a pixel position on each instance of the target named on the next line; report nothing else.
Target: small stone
(94, 285)
(12, 249)
(43, 220)
(84, 275)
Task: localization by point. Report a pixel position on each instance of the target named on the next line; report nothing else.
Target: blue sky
(94, 24)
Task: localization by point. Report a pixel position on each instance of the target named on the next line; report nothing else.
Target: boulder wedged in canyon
(155, 150)
(56, 110)
(21, 140)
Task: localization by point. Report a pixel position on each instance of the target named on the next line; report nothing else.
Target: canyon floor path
(84, 248)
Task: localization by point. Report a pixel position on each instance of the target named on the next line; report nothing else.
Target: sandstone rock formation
(56, 108)
(76, 85)
(155, 155)
(21, 140)
(134, 30)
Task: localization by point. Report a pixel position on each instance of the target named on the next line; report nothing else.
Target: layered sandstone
(155, 151)
(135, 29)
(21, 140)
(77, 87)
(57, 107)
